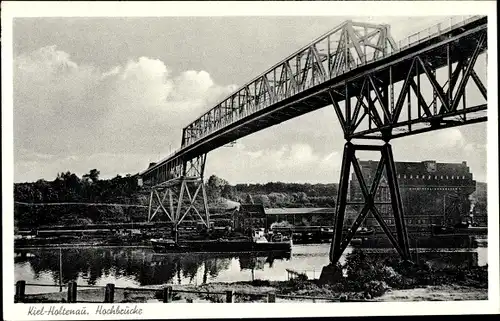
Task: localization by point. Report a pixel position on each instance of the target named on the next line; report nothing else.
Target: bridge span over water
(380, 89)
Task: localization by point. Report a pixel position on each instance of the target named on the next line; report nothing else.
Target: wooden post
(20, 289)
(109, 293)
(229, 296)
(271, 297)
(74, 293)
(72, 288)
(167, 294)
(60, 270)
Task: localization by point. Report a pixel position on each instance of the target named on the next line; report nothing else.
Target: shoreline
(247, 292)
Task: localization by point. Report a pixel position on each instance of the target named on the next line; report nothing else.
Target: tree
(249, 199)
(278, 198)
(215, 186)
(229, 192)
(302, 197)
(93, 175)
(262, 199)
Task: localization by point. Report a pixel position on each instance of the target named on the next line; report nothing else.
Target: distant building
(249, 216)
(431, 193)
(256, 216)
(300, 216)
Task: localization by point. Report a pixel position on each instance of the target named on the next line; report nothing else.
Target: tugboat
(257, 243)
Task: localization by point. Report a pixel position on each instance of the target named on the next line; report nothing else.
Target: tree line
(68, 187)
(274, 194)
(90, 188)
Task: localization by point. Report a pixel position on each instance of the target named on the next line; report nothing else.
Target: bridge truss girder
(382, 77)
(175, 168)
(179, 198)
(390, 102)
(333, 54)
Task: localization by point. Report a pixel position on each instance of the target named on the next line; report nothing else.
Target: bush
(376, 288)
(392, 278)
(297, 284)
(374, 276)
(362, 269)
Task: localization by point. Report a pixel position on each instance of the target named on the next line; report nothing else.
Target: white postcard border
(399, 8)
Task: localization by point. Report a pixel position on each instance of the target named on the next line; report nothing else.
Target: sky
(114, 94)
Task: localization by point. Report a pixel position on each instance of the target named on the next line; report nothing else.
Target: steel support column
(185, 195)
(341, 202)
(340, 240)
(397, 206)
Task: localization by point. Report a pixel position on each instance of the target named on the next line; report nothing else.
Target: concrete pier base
(330, 274)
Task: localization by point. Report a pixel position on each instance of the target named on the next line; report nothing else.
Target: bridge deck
(312, 96)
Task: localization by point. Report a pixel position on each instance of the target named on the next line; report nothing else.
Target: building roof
(298, 210)
(425, 167)
(255, 208)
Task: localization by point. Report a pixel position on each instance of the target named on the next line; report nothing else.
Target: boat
(356, 242)
(363, 231)
(462, 228)
(258, 243)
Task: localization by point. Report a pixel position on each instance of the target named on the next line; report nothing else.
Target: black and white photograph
(267, 154)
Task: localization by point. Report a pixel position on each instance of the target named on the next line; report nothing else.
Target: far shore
(80, 245)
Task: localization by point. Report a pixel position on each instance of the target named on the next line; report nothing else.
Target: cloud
(192, 84)
(64, 109)
(451, 137)
(294, 162)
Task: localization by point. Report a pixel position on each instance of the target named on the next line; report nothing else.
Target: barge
(258, 243)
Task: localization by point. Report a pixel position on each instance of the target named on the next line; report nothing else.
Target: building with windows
(431, 193)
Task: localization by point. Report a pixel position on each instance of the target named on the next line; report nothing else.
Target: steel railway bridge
(380, 90)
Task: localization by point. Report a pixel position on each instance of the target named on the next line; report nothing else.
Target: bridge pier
(178, 190)
(179, 197)
(341, 240)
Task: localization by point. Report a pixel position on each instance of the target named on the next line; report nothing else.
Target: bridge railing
(426, 34)
(435, 30)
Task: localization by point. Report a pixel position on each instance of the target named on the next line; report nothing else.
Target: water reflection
(142, 267)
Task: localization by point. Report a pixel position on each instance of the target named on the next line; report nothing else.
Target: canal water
(136, 267)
